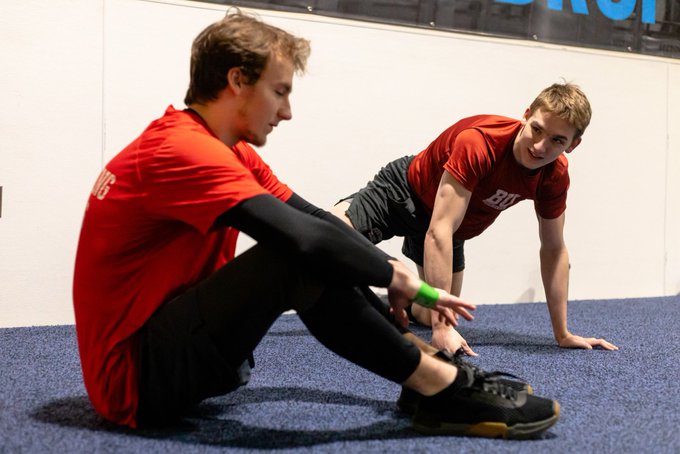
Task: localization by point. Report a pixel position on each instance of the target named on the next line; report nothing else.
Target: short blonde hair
(567, 101)
(242, 41)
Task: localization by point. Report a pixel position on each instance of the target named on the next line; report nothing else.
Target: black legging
(190, 342)
(345, 319)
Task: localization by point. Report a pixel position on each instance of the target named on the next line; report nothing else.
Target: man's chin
(256, 141)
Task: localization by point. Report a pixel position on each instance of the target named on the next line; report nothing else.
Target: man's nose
(541, 146)
(285, 112)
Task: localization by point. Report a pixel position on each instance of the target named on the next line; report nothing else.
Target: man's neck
(215, 120)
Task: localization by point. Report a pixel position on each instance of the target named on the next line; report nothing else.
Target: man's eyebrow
(540, 126)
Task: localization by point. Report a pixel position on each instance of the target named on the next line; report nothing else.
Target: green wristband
(426, 296)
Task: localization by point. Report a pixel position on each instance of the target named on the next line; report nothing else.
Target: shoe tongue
(445, 355)
(465, 377)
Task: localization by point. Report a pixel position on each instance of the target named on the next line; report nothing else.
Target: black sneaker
(408, 399)
(475, 405)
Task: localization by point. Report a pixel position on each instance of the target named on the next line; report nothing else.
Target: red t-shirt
(477, 152)
(146, 237)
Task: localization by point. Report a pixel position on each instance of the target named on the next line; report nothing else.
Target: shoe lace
(457, 359)
(492, 385)
(484, 375)
(487, 381)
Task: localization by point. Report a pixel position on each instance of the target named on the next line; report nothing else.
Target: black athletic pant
(194, 346)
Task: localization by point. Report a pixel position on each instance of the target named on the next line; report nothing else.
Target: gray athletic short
(387, 207)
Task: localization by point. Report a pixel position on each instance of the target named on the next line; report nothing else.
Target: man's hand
(574, 341)
(445, 337)
(405, 286)
(448, 306)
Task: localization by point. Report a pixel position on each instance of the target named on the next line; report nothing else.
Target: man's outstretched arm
(555, 274)
(450, 206)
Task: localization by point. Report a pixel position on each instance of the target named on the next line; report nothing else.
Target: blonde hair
(242, 41)
(567, 101)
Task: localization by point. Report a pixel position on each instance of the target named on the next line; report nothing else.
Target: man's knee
(340, 210)
(299, 286)
(354, 214)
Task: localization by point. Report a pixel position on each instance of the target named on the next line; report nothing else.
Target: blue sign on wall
(615, 10)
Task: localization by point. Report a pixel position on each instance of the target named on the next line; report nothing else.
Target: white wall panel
(50, 147)
(672, 233)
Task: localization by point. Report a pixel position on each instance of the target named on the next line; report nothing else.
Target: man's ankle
(421, 314)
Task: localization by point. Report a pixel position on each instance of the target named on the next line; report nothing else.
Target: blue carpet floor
(303, 398)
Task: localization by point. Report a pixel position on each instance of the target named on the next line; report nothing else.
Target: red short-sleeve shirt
(477, 152)
(147, 235)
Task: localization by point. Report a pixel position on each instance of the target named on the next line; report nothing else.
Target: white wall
(672, 180)
(82, 78)
(50, 148)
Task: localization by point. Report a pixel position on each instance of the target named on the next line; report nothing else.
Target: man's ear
(574, 144)
(525, 117)
(235, 79)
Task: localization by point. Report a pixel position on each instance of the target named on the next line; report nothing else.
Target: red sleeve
(262, 172)
(469, 160)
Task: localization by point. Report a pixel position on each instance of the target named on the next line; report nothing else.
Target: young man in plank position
(166, 316)
(456, 188)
